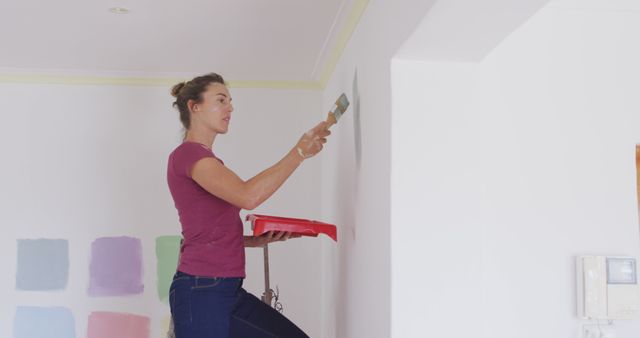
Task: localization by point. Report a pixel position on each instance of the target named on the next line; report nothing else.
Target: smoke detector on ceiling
(119, 10)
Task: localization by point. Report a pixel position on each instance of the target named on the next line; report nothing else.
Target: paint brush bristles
(341, 105)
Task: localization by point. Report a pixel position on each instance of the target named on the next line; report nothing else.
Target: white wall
(505, 169)
(81, 162)
(357, 166)
(356, 182)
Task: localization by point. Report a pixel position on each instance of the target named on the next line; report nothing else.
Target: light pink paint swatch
(120, 325)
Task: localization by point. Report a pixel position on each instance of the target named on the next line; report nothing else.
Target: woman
(206, 296)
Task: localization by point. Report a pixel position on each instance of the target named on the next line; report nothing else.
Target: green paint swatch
(167, 251)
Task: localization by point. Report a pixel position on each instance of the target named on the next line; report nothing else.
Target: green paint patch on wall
(167, 252)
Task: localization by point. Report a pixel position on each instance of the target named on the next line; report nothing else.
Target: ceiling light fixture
(119, 10)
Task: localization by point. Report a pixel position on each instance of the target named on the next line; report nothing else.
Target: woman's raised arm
(220, 181)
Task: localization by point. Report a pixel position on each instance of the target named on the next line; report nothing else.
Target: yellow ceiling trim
(275, 84)
(143, 81)
(342, 39)
(85, 80)
(359, 6)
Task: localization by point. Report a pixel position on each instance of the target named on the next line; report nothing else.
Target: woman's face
(214, 112)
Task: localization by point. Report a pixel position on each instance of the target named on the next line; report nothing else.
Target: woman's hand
(271, 236)
(312, 141)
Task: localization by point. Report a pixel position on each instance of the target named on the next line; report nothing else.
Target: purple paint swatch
(116, 267)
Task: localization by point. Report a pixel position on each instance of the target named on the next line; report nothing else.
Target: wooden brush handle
(331, 119)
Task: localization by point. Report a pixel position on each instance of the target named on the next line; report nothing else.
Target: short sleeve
(187, 155)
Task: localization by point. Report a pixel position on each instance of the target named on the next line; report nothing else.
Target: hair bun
(177, 88)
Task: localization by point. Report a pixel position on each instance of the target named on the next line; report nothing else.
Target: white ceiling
(270, 40)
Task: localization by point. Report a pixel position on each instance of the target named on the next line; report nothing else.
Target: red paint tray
(263, 223)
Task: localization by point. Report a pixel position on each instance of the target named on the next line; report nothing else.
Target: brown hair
(192, 90)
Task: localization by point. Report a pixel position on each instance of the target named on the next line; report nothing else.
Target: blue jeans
(204, 307)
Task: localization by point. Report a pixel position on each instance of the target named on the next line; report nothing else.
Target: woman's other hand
(312, 141)
(273, 236)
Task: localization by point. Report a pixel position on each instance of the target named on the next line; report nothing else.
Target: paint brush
(338, 109)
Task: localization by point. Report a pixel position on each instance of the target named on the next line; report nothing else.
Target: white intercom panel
(607, 287)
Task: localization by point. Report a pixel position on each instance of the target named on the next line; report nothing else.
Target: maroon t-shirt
(212, 229)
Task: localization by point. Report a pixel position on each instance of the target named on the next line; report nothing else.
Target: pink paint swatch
(116, 267)
(120, 325)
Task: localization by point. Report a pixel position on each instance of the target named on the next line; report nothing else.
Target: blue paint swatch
(43, 264)
(43, 322)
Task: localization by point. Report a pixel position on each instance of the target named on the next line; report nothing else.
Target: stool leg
(267, 296)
